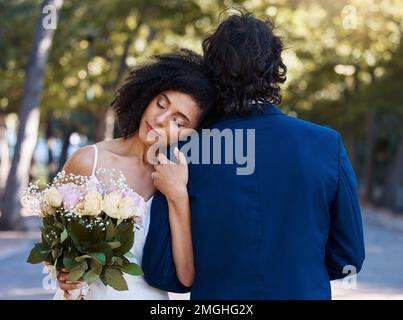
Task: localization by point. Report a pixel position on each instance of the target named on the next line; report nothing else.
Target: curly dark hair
(182, 71)
(243, 57)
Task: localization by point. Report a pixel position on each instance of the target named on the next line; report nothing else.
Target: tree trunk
(105, 119)
(369, 155)
(50, 143)
(29, 120)
(65, 147)
(395, 179)
(110, 124)
(104, 124)
(100, 124)
(4, 153)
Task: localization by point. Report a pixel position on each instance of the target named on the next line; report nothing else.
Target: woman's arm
(180, 223)
(171, 179)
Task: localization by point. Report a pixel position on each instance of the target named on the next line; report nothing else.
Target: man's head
(244, 59)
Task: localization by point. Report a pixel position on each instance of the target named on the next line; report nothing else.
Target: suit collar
(258, 109)
(268, 108)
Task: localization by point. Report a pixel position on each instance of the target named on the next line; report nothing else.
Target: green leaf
(104, 248)
(56, 262)
(99, 256)
(96, 234)
(114, 278)
(102, 277)
(38, 253)
(117, 261)
(133, 269)
(64, 235)
(125, 235)
(96, 267)
(68, 262)
(48, 223)
(77, 271)
(56, 253)
(130, 254)
(42, 249)
(45, 239)
(82, 258)
(114, 244)
(55, 242)
(34, 257)
(110, 230)
(58, 225)
(125, 260)
(78, 233)
(90, 277)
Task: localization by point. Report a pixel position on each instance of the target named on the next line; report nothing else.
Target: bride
(159, 103)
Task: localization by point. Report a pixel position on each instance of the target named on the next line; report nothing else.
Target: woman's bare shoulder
(81, 161)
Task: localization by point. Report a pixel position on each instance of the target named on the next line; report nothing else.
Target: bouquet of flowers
(87, 226)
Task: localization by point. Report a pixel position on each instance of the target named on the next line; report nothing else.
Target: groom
(284, 230)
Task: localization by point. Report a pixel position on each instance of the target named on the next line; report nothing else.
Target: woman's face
(170, 116)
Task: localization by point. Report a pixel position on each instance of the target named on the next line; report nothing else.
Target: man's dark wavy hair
(182, 71)
(243, 57)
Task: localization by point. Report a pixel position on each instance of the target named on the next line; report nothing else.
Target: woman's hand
(171, 178)
(63, 278)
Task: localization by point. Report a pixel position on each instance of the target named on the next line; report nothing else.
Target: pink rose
(138, 201)
(110, 189)
(71, 195)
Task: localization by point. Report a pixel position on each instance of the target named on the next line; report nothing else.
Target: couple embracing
(283, 230)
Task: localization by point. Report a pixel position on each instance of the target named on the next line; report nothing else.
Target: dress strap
(94, 165)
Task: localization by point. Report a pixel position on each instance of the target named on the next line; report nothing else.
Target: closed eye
(176, 122)
(159, 105)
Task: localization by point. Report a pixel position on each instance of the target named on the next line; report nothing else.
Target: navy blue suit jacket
(282, 232)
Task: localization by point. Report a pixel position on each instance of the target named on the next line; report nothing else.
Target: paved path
(382, 274)
(381, 277)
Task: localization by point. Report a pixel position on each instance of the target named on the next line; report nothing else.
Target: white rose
(54, 197)
(127, 208)
(111, 204)
(80, 205)
(93, 204)
(46, 209)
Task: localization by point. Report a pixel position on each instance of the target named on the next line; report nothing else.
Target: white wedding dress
(138, 287)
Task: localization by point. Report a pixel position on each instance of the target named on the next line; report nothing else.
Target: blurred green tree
(29, 116)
